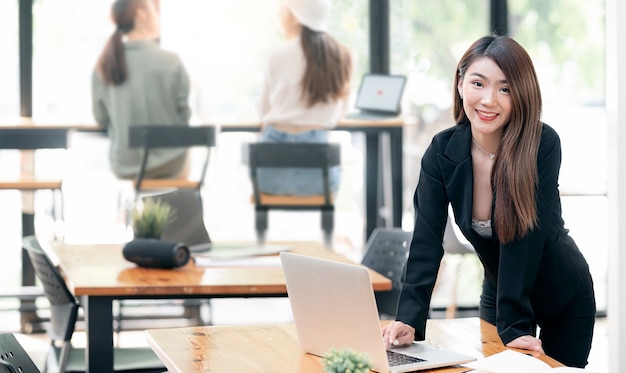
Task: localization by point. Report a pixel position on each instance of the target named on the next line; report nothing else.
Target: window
(567, 43)
(9, 63)
(224, 45)
(427, 40)
(68, 36)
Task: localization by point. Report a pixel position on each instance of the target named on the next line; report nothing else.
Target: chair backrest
(42, 138)
(296, 155)
(13, 357)
(63, 304)
(386, 252)
(169, 136)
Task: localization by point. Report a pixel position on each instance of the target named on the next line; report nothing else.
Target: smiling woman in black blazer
(498, 168)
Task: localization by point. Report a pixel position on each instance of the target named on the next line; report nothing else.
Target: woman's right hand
(397, 333)
(527, 342)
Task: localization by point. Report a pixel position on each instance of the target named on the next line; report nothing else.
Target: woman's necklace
(491, 155)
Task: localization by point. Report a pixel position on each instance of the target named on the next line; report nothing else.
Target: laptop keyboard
(396, 359)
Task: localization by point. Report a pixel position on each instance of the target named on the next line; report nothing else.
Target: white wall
(616, 114)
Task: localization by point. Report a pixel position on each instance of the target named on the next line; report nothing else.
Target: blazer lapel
(456, 167)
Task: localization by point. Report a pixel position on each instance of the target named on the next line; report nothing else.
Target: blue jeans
(295, 181)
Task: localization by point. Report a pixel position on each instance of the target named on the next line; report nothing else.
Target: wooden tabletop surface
(100, 269)
(275, 348)
(29, 122)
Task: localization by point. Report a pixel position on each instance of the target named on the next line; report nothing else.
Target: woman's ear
(459, 88)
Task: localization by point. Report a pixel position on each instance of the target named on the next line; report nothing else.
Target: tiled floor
(92, 214)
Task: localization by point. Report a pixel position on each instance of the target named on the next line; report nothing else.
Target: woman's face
(486, 96)
(289, 23)
(148, 16)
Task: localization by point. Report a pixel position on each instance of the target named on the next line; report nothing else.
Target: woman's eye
(477, 84)
(506, 90)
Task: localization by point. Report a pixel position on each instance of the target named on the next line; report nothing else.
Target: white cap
(310, 13)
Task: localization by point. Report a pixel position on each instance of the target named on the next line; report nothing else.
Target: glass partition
(68, 36)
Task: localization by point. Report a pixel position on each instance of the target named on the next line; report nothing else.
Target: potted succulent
(152, 218)
(346, 360)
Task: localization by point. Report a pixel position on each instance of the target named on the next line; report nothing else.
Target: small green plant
(346, 361)
(151, 219)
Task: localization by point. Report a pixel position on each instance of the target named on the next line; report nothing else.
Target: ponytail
(111, 65)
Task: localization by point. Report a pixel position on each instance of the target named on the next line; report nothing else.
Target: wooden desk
(99, 274)
(275, 348)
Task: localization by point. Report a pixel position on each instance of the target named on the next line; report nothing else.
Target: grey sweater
(156, 92)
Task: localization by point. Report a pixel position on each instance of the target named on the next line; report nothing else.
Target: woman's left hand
(527, 342)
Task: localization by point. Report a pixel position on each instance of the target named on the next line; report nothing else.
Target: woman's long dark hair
(111, 65)
(328, 67)
(514, 176)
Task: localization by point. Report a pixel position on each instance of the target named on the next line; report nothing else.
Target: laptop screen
(381, 92)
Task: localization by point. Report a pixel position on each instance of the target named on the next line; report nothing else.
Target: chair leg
(328, 224)
(261, 224)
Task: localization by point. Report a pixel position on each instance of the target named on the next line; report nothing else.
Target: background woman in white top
(305, 93)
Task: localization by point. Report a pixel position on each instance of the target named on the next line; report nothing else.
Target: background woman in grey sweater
(135, 82)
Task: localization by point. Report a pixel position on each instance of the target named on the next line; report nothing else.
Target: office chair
(64, 306)
(150, 137)
(182, 193)
(293, 155)
(386, 252)
(13, 357)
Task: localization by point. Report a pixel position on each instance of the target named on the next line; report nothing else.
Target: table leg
(371, 182)
(396, 140)
(99, 332)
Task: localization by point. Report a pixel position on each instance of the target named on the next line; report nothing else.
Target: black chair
(64, 307)
(13, 357)
(293, 155)
(171, 136)
(386, 252)
(182, 193)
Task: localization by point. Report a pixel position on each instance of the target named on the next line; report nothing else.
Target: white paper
(510, 361)
(253, 261)
(232, 251)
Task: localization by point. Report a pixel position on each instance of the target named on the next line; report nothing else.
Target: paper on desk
(241, 256)
(253, 261)
(510, 361)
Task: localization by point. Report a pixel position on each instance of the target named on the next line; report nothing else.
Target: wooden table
(99, 274)
(275, 348)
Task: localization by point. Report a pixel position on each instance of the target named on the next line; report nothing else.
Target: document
(231, 255)
(510, 361)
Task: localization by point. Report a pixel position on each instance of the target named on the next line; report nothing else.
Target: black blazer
(535, 275)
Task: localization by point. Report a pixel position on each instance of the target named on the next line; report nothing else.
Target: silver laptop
(379, 97)
(333, 306)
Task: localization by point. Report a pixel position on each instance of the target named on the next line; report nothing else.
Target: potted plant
(152, 218)
(346, 360)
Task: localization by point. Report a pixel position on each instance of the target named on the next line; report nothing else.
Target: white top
(282, 101)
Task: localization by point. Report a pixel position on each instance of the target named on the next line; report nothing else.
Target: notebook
(379, 97)
(333, 306)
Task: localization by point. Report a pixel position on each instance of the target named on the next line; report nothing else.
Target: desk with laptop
(325, 316)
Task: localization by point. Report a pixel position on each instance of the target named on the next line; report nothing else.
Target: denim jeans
(295, 181)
